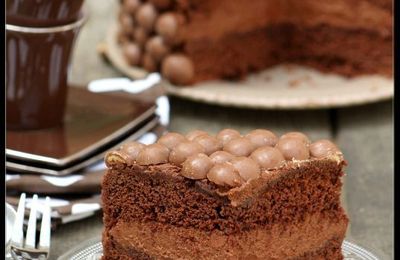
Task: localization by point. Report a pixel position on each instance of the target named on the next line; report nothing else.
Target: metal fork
(26, 248)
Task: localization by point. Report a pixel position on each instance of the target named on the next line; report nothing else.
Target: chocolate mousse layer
(157, 240)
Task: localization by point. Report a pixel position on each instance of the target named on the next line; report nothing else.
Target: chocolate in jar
(42, 13)
(37, 63)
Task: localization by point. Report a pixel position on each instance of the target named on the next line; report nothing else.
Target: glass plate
(92, 250)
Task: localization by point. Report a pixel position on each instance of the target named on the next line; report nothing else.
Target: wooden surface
(365, 134)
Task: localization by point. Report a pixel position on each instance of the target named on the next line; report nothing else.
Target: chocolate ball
(153, 154)
(293, 148)
(146, 16)
(247, 168)
(127, 23)
(140, 35)
(196, 166)
(210, 143)
(161, 4)
(178, 69)
(240, 146)
(184, 150)
(195, 133)
(132, 53)
(149, 63)
(268, 157)
(221, 156)
(261, 137)
(224, 174)
(323, 148)
(131, 6)
(132, 149)
(123, 37)
(116, 157)
(227, 134)
(167, 26)
(298, 135)
(170, 140)
(157, 48)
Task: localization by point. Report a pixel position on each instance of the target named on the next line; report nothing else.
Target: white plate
(92, 250)
(280, 87)
(10, 217)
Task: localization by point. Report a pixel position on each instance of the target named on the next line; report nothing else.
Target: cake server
(125, 84)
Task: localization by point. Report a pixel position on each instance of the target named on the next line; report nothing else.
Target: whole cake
(194, 40)
(229, 196)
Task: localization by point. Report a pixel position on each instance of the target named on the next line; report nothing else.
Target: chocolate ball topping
(127, 22)
(183, 150)
(170, 140)
(210, 143)
(227, 159)
(261, 137)
(132, 149)
(298, 135)
(116, 157)
(240, 147)
(131, 6)
(293, 148)
(268, 157)
(167, 26)
(178, 69)
(149, 63)
(196, 166)
(146, 16)
(224, 174)
(153, 154)
(247, 168)
(323, 148)
(132, 53)
(221, 156)
(157, 48)
(195, 133)
(140, 35)
(227, 134)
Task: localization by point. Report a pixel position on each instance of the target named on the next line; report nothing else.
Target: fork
(26, 248)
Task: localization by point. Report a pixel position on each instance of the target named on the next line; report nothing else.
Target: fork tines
(26, 248)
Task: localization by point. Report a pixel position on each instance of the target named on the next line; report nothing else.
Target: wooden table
(364, 133)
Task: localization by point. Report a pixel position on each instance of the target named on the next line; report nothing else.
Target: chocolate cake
(229, 196)
(190, 41)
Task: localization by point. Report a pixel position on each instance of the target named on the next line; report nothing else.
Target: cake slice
(229, 196)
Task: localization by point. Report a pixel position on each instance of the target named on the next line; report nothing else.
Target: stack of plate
(67, 162)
